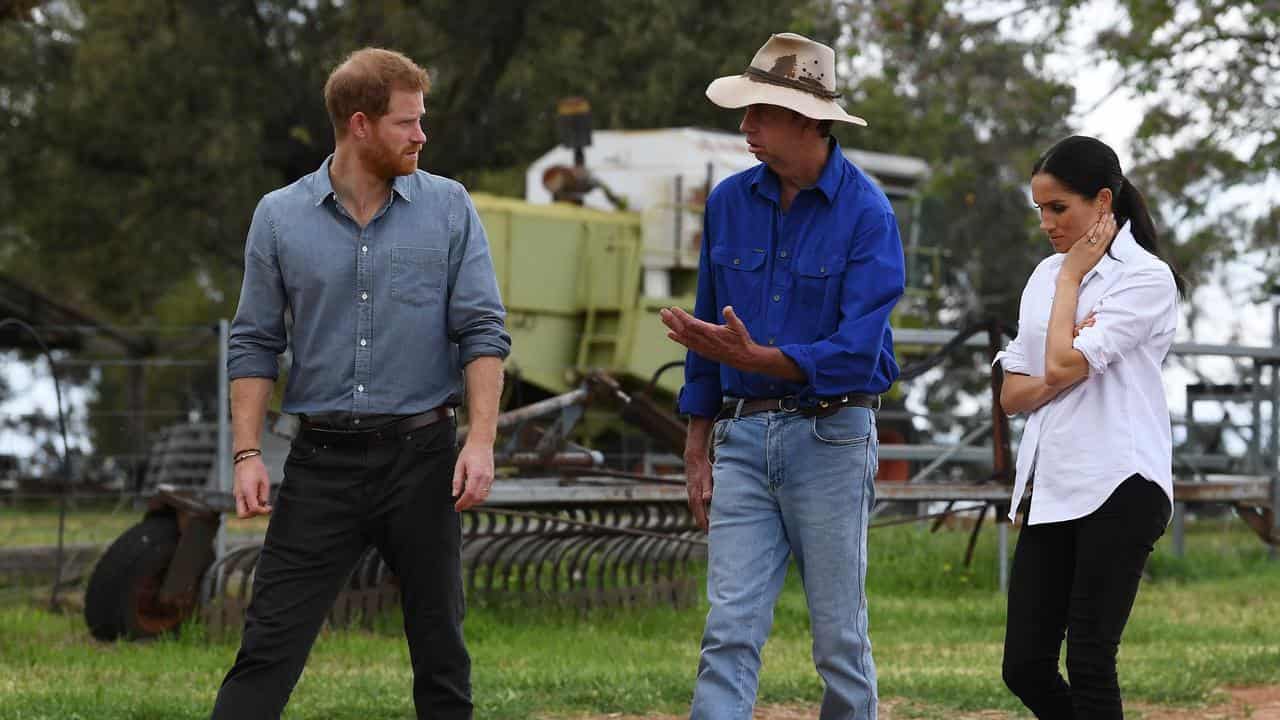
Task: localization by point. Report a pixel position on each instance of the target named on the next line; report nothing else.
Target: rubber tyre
(120, 601)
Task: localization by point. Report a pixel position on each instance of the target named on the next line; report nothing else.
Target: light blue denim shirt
(383, 317)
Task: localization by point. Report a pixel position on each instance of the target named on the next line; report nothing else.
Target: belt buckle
(789, 404)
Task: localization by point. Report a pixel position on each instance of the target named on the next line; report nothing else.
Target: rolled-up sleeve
(476, 316)
(258, 333)
(1013, 359)
(874, 280)
(702, 393)
(1145, 306)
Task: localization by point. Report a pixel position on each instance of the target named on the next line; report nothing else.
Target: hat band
(811, 86)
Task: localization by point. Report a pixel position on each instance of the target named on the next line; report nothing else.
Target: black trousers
(336, 499)
(1079, 578)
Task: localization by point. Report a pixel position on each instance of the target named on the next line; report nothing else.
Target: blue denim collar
(322, 185)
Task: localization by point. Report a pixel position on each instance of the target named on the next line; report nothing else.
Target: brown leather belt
(403, 426)
(791, 404)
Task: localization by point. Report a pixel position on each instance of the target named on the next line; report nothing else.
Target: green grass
(1201, 622)
(99, 525)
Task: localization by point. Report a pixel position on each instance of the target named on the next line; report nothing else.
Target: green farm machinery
(589, 508)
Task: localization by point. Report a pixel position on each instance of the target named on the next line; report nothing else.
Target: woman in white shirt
(1096, 321)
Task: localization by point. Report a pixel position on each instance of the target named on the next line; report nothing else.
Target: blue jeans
(786, 484)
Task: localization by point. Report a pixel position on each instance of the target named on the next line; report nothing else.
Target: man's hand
(252, 488)
(729, 344)
(697, 468)
(697, 472)
(473, 474)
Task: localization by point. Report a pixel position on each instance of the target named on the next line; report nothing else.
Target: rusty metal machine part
(599, 542)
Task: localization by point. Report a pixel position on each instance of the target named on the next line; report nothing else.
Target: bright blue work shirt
(385, 316)
(818, 282)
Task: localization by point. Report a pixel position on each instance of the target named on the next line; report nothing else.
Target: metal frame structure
(562, 528)
(1253, 490)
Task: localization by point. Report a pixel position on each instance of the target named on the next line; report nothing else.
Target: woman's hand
(1088, 250)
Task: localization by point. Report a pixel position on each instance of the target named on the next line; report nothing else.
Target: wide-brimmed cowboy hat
(789, 70)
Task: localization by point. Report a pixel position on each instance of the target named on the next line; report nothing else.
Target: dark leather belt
(403, 426)
(791, 404)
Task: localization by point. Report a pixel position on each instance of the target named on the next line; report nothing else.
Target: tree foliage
(138, 134)
(978, 106)
(1206, 71)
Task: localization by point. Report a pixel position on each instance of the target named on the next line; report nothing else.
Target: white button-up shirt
(1084, 443)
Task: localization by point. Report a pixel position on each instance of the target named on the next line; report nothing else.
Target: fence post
(1003, 524)
(224, 427)
(1275, 514)
(1179, 528)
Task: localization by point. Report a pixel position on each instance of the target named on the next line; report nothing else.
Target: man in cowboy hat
(801, 258)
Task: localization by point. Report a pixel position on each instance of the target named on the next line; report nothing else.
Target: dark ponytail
(1129, 204)
(1085, 165)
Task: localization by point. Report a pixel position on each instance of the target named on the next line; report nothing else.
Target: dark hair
(1085, 165)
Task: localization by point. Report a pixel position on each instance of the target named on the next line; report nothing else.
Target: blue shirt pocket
(818, 284)
(741, 270)
(417, 274)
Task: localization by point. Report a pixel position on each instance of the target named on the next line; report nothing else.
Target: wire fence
(63, 500)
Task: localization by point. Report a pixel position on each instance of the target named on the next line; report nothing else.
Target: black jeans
(1079, 577)
(337, 498)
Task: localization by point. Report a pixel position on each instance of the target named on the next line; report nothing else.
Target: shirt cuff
(1090, 344)
(703, 399)
(499, 347)
(1011, 363)
(261, 365)
(803, 359)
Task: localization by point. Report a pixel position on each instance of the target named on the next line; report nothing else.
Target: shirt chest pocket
(742, 272)
(817, 277)
(417, 274)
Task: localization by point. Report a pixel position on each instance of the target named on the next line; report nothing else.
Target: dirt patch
(892, 709)
(1249, 703)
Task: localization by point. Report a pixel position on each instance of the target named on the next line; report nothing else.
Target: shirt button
(737, 261)
(359, 388)
(363, 342)
(770, 341)
(822, 269)
(364, 296)
(356, 421)
(776, 298)
(782, 254)
(364, 248)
